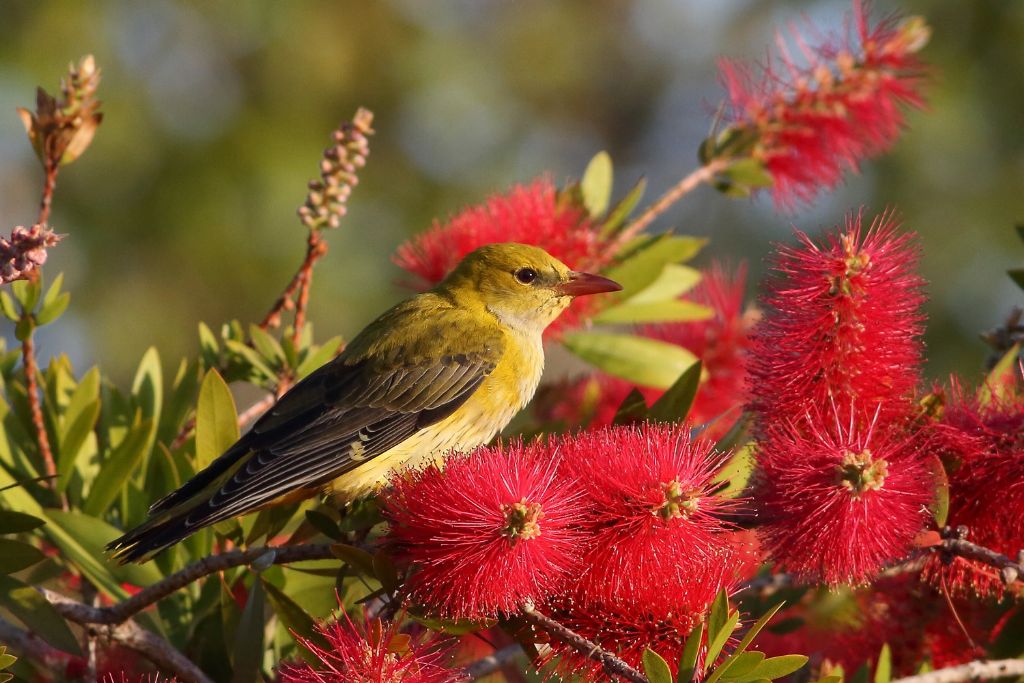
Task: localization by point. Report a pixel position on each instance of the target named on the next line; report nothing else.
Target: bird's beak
(580, 284)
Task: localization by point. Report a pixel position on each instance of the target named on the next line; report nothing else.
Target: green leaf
(24, 327)
(8, 307)
(73, 439)
(673, 281)
(38, 615)
(356, 558)
(656, 667)
(940, 501)
(385, 571)
(117, 468)
(621, 211)
(53, 310)
(1016, 274)
(644, 361)
(741, 665)
(291, 614)
(995, 384)
(17, 522)
(248, 646)
(862, 674)
(315, 359)
(774, 668)
(691, 649)
(26, 292)
(717, 640)
(633, 407)
(737, 471)
(148, 384)
(596, 185)
(249, 356)
(672, 310)
(748, 173)
(54, 290)
(324, 524)
(643, 266)
(674, 405)
(719, 613)
(268, 347)
(208, 346)
(216, 419)
(883, 670)
(15, 556)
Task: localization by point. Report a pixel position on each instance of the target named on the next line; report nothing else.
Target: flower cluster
(982, 443)
(370, 650)
(24, 251)
(326, 202)
(843, 479)
(611, 520)
(806, 123)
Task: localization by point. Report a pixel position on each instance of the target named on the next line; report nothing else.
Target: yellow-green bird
(445, 370)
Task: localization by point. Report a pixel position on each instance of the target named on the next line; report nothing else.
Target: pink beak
(580, 284)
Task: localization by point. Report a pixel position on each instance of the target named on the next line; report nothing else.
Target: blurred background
(216, 114)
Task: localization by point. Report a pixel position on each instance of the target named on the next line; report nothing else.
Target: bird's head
(524, 286)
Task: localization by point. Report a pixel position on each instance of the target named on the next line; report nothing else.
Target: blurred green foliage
(216, 114)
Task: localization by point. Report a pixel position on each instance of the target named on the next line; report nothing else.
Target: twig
(155, 649)
(28, 359)
(256, 409)
(49, 185)
(81, 613)
(315, 248)
(955, 543)
(978, 670)
(613, 666)
(673, 195)
(493, 662)
(29, 645)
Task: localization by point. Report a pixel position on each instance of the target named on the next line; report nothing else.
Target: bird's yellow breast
(501, 395)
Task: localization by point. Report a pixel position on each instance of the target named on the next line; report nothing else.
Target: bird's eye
(526, 275)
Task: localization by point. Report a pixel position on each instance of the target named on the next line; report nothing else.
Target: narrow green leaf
(656, 667)
(72, 441)
(644, 265)
(752, 632)
(269, 347)
(54, 290)
(356, 558)
(644, 361)
(862, 674)
(620, 212)
(632, 408)
(24, 327)
(883, 670)
(385, 571)
(994, 386)
(209, 348)
(291, 614)
(673, 281)
(249, 356)
(674, 405)
(672, 310)
(8, 307)
(216, 419)
(717, 640)
(774, 668)
(596, 185)
(719, 613)
(117, 468)
(15, 556)
(743, 664)
(729, 669)
(53, 310)
(17, 522)
(737, 471)
(38, 615)
(1016, 274)
(748, 173)
(327, 351)
(940, 501)
(691, 649)
(248, 646)
(26, 292)
(324, 524)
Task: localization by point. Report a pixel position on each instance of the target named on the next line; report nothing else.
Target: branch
(954, 543)
(31, 646)
(978, 670)
(613, 666)
(28, 359)
(155, 649)
(493, 662)
(81, 613)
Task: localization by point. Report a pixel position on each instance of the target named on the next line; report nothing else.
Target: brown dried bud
(61, 130)
(25, 251)
(325, 203)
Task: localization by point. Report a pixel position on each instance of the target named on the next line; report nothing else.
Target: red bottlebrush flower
(721, 342)
(489, 531)
(809, 123)
(983, 445)
(842, 322)
(530, 214)
(839, 502)
(372, 652)
(122, 677)
(654, 522)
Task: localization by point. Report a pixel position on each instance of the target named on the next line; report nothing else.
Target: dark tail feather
(151, 537)
(202, 479)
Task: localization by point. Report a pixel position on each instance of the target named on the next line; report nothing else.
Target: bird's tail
(181, 513)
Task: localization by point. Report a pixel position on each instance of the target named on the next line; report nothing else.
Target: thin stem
(978, 670)
(117, 613)
(684, 187)
(485, 666)
(613, 666)
(315, 248)
(28, 359)
(49, 184)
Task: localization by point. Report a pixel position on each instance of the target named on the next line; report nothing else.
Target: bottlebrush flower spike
(842, 322)
(655, 524)
(983, 444)
(808, 122)
(838, 502)
(531, 214)
(488, 531)
(371, 651)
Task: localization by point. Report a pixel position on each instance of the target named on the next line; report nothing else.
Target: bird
(443, 371)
